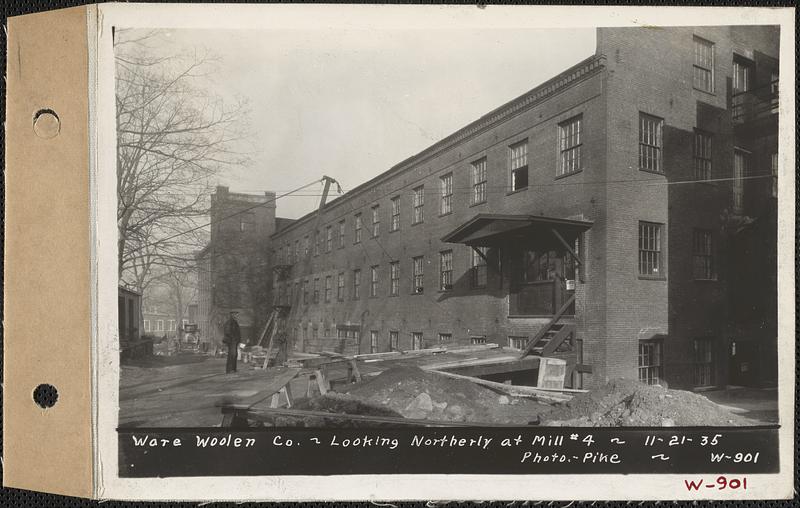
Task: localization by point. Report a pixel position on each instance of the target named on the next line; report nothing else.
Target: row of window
(159, 325)
(651, 252)
(477, 275)
(651, 366)
(703, 77)
(570, 144)
(651, 146)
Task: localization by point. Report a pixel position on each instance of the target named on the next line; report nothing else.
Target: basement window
(650, 362)
(477, 340)
(703, 362)
(517, 342)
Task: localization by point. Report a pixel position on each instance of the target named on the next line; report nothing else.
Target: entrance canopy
(494, 230)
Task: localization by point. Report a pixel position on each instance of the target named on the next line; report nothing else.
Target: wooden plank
(529, 363)
(275, 379)
(515, 390)
(469, 362)
(271, 338)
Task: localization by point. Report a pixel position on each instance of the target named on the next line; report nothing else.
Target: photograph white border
(407, 487)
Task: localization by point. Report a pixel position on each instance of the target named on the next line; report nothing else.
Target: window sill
(394, 230)
(417, 223)
(444, 291)
(479, 203)
(516, 191)
(565, 175)
(417, 293)
(646, 277)
(446, 214)
(537, 316)
(395, 295)
(653, 172)
(711, 93)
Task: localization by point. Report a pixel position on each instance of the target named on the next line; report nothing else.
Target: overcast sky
(351, 104)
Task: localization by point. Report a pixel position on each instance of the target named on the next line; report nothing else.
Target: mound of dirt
(333, 403)
(625, 403)
(418, 394)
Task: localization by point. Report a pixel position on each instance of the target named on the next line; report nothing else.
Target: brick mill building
(621, 215)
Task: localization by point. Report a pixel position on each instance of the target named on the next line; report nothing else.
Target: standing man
(231, 336)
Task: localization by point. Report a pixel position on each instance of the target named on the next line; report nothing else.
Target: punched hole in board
(45, 396)
(46, 124)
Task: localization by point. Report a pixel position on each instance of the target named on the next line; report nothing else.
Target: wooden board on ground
(189, 395)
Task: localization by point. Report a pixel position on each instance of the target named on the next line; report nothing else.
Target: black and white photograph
(426, 238)
(598, 250)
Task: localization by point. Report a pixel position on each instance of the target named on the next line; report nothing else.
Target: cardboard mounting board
(48, 314)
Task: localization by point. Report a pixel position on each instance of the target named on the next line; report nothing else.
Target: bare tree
(173, 137)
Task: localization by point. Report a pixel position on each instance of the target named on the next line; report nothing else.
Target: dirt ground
(623, 403)
(413, 393)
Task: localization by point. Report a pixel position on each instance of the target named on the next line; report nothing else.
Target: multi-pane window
(356, 284)
(341, 234)
(478, 273)
(650, 143)
(306, 245)
(357, 229)
(328, 288)
(741, 161)
(650, 367)
(376, 221)
(394, 278)
(328, 239)
(774, 89)
(445, 337)
(702, 155)
(650, 249)
(702, 254)
(297, 250)
(394, 339)
(418, 279)
(446, 270)
(146, 325)
(703, 77)
(305, 292)
(516, 342)
(570, 142)
(373, 341)
(373, 281)
(479, 181)
(160, 325)
(742, 75)
(774, 167)
(316, 290)
(704, 362)
(419, 205)
(477, 340)
(417, 342)
(519, 165)
(246, 222)
(340, 287)
(446, 188)
(394, 225)
(317, 242)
